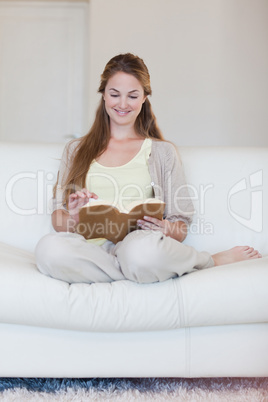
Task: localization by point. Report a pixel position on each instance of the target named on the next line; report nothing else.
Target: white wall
(208, 61)
(43, 70)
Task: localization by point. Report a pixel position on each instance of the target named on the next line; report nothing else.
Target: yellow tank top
(123, 184)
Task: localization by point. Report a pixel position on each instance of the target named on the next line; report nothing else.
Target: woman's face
(123, 97)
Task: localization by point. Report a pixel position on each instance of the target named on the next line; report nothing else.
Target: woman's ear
(144, 98)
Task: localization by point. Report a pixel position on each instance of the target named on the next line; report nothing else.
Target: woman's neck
(123, 132)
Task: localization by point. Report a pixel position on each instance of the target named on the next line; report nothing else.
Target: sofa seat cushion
(231, 294)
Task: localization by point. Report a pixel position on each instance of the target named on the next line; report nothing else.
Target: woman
(122, 158)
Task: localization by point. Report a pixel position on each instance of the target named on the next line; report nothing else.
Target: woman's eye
(130, 96)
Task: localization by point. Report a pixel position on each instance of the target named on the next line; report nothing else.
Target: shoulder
(70, 149)
(163, 146)
(165, 151)
(72, 145)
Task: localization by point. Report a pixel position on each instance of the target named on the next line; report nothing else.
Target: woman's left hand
(177, 230)
(154, 224)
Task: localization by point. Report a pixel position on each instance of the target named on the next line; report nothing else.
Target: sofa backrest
(229, 189)
(27, 177)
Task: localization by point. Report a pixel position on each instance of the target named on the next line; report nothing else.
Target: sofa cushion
(30, 298)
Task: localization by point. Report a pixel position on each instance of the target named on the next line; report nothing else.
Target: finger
(147, 222)
(86, 192)
(81, 194)
(148, 226)
(93, 195)
(142, 224)
(72, 196)
(155, 221)
(89, 194)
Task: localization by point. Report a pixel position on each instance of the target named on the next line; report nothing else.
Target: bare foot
(235, 254)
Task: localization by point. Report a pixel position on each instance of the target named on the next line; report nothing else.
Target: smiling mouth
(122, 112)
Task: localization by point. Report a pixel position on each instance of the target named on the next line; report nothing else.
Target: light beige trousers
(144, 256)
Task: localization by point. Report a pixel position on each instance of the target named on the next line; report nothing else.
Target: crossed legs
(143, 256)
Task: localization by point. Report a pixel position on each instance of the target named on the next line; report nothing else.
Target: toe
(255, 254)
(250, 251)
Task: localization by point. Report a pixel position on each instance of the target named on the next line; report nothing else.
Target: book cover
(100, 219)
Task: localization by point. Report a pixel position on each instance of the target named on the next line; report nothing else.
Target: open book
(100, 219)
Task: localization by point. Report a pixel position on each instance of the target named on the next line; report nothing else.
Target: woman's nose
(123, 102)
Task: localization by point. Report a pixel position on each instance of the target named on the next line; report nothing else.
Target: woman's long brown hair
(93, 144)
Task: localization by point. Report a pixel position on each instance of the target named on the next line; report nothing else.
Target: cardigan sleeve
(64, 169)
(169, 182)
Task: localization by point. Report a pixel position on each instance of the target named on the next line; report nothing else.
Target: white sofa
(210, 323)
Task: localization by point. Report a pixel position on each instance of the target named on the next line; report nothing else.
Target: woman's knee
(45, 250)
(143, 257)
(50, 250)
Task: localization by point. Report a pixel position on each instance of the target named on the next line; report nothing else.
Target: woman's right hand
(77, 200)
